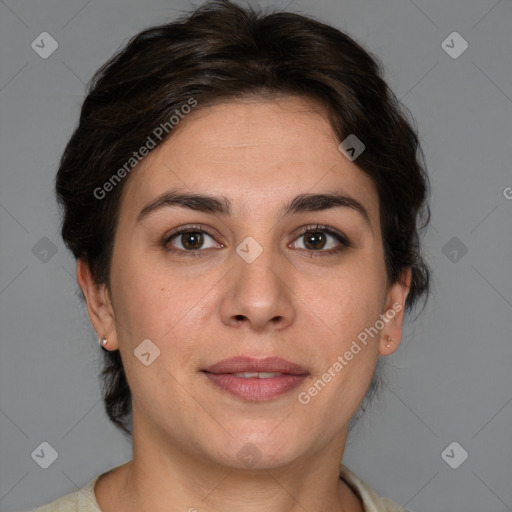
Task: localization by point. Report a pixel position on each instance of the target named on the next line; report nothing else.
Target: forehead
(258, 153)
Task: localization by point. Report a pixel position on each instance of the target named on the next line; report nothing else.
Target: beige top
(84, 500)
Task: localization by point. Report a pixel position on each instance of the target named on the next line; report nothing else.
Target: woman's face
(249, 283)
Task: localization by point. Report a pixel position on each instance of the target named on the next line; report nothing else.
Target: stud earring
(103, 342)
(390, 339)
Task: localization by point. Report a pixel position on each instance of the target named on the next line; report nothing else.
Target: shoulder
(82, 500)
(371, 501)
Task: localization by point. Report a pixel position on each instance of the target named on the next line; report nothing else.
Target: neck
(172, 479)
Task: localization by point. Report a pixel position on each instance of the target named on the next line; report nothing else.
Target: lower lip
(254, 389)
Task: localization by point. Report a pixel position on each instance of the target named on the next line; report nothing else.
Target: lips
(256, 379)
(250, 364)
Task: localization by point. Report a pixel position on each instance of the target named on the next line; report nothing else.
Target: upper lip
(251, 364)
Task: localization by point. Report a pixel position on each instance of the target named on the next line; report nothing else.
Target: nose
(258, 295)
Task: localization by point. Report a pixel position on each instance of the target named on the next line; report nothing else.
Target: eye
(316, 239)
(188, 239)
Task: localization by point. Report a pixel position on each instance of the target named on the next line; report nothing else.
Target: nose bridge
(258, 293)
(256, 264)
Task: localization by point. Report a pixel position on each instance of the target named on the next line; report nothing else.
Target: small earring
(390, 339)
(103, 341)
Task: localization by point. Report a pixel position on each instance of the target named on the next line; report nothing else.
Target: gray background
(449, 381)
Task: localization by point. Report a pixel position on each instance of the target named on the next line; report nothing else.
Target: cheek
(157, 302)
(347, 355)
(350, 299)
(349, 306)
(143, 291)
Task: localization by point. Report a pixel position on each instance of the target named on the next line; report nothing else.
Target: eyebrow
(222, 205)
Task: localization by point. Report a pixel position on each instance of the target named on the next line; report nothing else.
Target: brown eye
(192, 240)
(316, 240)
(188, 240)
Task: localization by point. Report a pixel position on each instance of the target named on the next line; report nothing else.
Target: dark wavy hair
(223, 52)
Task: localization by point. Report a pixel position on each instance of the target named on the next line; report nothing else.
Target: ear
(393, 314)
(99, 305)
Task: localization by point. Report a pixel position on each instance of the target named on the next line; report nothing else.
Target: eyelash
(310, 229)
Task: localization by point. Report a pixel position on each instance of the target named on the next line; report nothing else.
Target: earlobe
(389, 340)
(98, 303)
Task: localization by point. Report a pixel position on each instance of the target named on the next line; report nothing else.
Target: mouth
(256, 380)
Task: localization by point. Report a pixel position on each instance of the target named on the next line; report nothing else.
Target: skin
(200, 309)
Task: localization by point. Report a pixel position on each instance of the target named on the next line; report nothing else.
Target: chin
(258, 449)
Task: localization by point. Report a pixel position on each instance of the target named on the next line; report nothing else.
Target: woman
(243, 196)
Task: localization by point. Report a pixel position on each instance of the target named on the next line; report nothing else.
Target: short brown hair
(219, 52)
